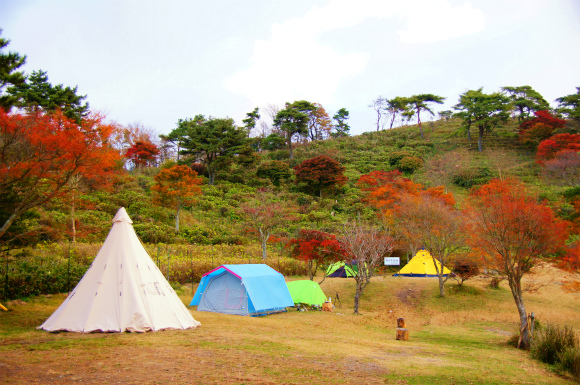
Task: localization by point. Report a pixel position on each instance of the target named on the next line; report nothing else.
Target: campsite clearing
(459, 339)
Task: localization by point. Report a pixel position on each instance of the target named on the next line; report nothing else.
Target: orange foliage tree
(176, 187)
(385, 188)
(41, 153)
(430, 220)
(511, 230)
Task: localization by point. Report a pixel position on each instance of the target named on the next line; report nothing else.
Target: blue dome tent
(253, 289)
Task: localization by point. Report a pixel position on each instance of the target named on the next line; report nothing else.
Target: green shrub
(396, 156)
(409, 164)
(569, 361)
(153, 233)
(33, 276)
(552, 341)
(473, 176)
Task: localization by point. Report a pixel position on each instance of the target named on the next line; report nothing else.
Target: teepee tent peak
(122, 216)
(123, 290)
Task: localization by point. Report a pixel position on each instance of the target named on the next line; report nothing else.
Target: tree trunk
(357, 296)
(72, 214)
(177, 219)
(469, 134)
(419, 124)
(480, 140)
(515, 286)
(441, 282)
(290, 146)
(211, 176)
(264, 237)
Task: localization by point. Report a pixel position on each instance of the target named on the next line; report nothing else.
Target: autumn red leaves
(41, 154)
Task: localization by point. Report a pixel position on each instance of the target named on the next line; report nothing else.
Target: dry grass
(459, 339)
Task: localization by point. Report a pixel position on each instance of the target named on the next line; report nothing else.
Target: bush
(465, 269)
(470, 177)
(409, 163)
(552, 341)
(396, 156)
(569, 361)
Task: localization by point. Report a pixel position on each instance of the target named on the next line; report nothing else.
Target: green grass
(459, 339)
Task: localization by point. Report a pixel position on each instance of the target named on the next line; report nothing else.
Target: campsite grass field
(459, 339)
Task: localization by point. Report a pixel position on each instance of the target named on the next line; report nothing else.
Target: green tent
(342, 270)
(306, 291)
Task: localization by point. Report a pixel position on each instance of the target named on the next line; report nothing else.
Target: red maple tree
(512, 231)
(142, 153)
(316, 248)
(549, 148)
(320, 173)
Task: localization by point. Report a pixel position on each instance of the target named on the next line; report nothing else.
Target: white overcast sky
(154, 62)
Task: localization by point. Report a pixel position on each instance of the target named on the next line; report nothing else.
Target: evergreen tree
(9, 76)
(214, 142)
(38, 94)
(293, 120)
(341, 127)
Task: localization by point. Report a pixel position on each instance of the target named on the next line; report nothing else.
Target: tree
(215, 142)
(251, 119)
(384, 189)
(316, 248)
(429, 220)
(512, 231)
(367, 246)
(395, 107)
(525, 100)
(9, 76)
(341, 128)
(176, 187)
(420, 102)
(379, 106)
(142, 154)
(37, 93)
(541, 127)
(266, 213)
(293, 120)
(319, 125)
(569, 105)
(177, 135)
(550, 148)
(484, 111)
(445, 114)
(464, 268)
(40, 153)
(320, 173)
(275, 170)
(570, 262)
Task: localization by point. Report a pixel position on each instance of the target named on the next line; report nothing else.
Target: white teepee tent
(123, 290)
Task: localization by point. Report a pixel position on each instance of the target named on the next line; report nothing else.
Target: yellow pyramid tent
(421, 265)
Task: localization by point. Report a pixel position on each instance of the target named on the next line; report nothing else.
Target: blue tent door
(224, 293)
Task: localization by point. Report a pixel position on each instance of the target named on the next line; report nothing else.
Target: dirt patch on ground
(410, 295)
